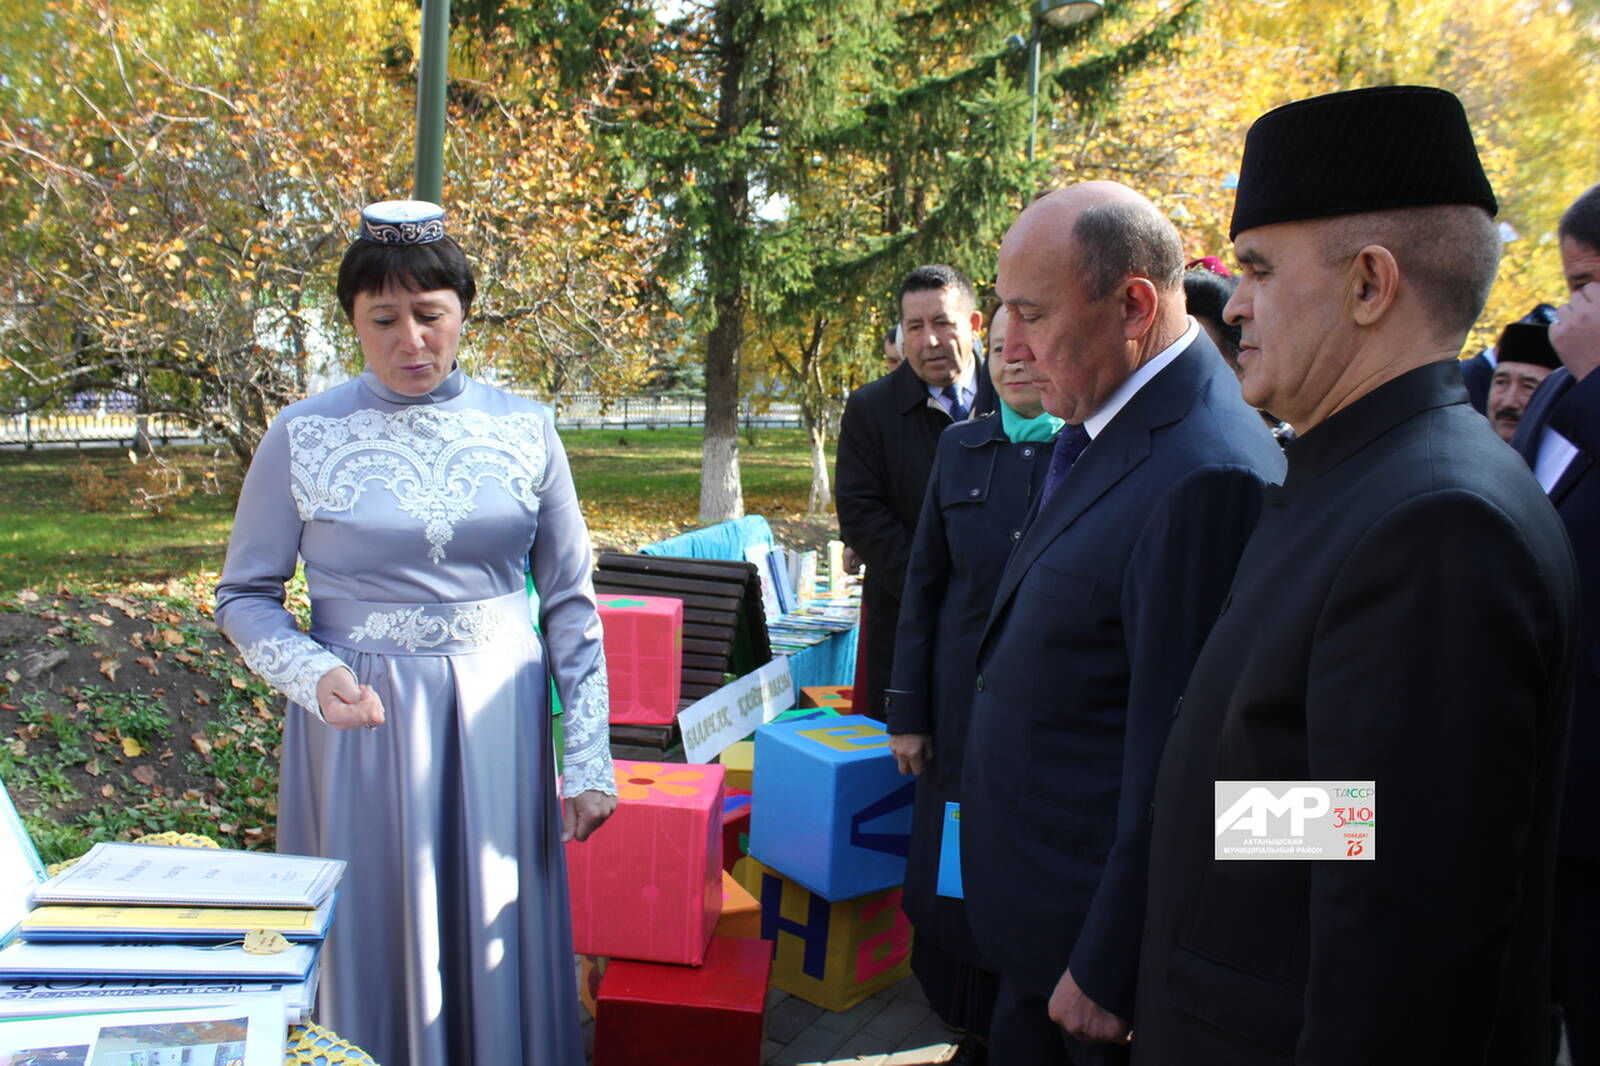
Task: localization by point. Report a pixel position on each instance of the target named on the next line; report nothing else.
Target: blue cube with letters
(830, 810)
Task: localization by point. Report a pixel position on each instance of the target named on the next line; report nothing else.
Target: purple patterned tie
(1070, 443)
(958, 413)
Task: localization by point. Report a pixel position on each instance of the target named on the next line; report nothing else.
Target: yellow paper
(181, 919)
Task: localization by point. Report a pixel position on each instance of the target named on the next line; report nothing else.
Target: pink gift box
(648, 884)
(644, 657)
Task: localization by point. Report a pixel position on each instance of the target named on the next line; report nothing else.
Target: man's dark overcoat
(1099, 614)
(1354, 646)
(1573, 410)
(1476, 373)
(887, 439)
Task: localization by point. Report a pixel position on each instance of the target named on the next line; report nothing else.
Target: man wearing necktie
(1154, 486)
(887, 439)
(1560, 439)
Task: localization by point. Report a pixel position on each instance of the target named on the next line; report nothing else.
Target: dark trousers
(1022, 1034)
(1575, 955)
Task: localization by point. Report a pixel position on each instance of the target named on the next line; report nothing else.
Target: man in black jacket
(887, 438)
(1560, 438)
(1350, 648)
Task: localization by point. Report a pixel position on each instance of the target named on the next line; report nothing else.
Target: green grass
(47, 534)
(635, 486)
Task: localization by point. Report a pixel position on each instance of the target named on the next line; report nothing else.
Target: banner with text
(735, 710)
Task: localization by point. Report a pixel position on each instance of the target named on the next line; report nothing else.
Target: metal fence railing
(85, 428)
(574, 411)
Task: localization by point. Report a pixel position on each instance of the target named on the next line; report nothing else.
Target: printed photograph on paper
(67, 1055)
(193, 1043)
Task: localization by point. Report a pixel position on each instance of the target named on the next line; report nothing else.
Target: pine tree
(808, 152)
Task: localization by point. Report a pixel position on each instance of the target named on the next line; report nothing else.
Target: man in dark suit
(1103, 604)
(1351, 646)
(1525, 359)
(1560, 438)
(887, 438)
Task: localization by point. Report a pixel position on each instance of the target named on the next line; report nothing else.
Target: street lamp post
(1060, 14)
(433, 61)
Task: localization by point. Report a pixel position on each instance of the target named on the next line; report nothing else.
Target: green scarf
(1042, 428)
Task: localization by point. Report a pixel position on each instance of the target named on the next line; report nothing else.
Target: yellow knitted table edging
(165, 840)
(308, 1045)
(312, 1045)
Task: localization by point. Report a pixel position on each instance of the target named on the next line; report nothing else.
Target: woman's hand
(584, 813)
(345, 704)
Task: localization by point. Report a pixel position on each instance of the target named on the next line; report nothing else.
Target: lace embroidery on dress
(411, 628)
(431, 461)
(588, 728)
(292, 665)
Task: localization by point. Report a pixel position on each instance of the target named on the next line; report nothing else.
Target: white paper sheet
(141, 873)
(249, 1031)
(22, 959)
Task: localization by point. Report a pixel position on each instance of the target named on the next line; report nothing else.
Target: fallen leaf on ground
(92, 767)
(104, 620)
(109, 666)
(202, 744)
(13, 677)
(132, 748)
(148, 663)
(145, 775)
(172, 636)
(108, 791)
(236, 682)
(27, 596)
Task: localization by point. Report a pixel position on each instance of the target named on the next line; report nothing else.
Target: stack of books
(151, 932)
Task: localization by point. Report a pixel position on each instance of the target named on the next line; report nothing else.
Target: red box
(839, 698)
(652, 1015)
(644, 657)
(648, 884)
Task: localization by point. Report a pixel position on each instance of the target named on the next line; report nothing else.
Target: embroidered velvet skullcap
(1523, 342)
(402, 222)
(1353, 152)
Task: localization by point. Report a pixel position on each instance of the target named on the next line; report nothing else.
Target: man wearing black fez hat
(1523, 359)
(1560, 439)
(1342, 659)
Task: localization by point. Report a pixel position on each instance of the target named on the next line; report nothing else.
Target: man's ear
(977, 323)
(1140, 303)
(1374, 284)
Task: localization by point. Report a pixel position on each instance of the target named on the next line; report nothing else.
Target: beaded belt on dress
(422, 628)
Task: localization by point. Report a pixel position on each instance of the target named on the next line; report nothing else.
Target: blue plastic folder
(950, 853)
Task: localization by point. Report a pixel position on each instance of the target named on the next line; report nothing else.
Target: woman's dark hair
(1207, 294)
(371, 267)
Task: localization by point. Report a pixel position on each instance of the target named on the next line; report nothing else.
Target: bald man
(1155, 483)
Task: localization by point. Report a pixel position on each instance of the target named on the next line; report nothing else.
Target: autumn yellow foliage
(1528, 72)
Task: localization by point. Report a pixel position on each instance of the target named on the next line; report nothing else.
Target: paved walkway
(896, 1027)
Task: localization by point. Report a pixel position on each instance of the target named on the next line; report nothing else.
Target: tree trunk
(721, 493)
(821, 491)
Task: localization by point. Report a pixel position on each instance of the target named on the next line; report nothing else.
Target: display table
(306, 1045)
(832, 662)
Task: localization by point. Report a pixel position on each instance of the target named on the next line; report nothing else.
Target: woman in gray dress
(418, 498)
